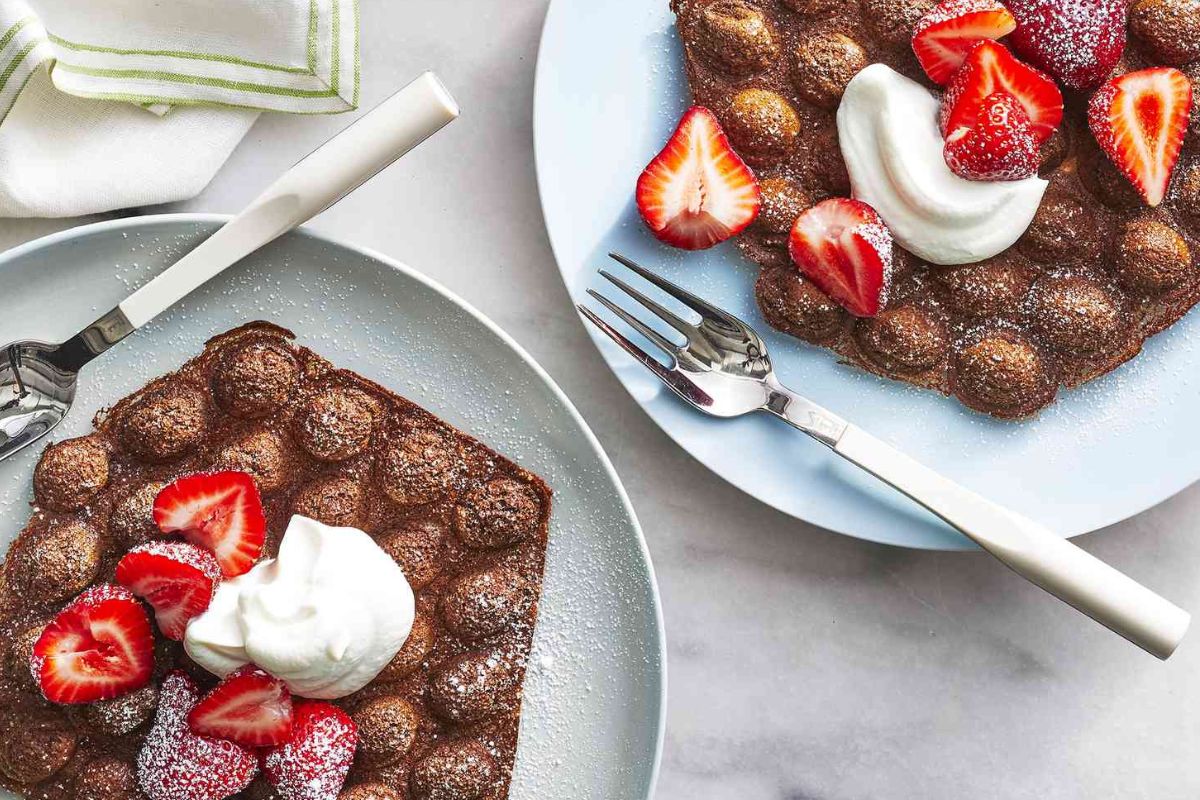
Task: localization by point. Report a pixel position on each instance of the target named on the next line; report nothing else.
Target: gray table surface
(803, 665)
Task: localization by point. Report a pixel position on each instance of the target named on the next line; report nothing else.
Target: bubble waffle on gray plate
(468, 527)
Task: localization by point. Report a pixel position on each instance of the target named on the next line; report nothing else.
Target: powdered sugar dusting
(880, 238)
(314, 764)
(953, 9)
(100, 594)
(184, 553)
(1077, 41)
(175, 764)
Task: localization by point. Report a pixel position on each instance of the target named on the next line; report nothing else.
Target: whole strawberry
(991, 68)
(176, 764)
(313, 763)
(1078, 42)
(1000, 147)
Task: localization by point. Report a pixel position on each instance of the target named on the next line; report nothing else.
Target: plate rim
(541, 79)
(79, 231)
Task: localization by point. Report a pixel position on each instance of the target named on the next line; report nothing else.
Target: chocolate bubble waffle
(1095, 275)
(468, 528)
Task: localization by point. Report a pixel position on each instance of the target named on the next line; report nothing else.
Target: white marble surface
(803, 665)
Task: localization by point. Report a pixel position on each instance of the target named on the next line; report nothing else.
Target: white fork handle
(337, 168)
(1074, 576)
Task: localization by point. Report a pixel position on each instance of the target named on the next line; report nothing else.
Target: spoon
(38, 379)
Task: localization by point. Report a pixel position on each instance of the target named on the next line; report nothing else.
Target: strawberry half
(176, 764)
(220, 511)
(176, 578)
(313, 764)
(697, 192)
(946, 35)
(250, 708)
(1077, 41)
(1139, 120)
(1000, 147)
(844, 248)
(990, 68)
(97, 648)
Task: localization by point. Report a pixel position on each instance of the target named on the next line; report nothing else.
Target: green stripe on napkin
(158, 77)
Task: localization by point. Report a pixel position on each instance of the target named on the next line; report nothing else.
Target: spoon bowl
(38, 379)
(36, 391)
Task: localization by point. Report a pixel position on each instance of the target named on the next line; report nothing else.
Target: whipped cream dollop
(889, 135)
(324, 617)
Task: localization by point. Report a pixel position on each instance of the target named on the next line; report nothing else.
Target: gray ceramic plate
(595, 693)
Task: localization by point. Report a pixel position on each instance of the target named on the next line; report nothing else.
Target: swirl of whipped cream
(889, 135)
(324, 617)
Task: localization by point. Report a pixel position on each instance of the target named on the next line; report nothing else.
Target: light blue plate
(610, 88)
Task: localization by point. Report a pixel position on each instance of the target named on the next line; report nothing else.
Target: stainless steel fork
(725, 371)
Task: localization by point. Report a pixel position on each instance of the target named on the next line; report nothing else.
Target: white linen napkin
(124, 103)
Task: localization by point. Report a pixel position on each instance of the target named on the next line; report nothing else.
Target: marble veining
(803, 665)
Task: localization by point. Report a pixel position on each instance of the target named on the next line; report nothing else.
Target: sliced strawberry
(176, 764)
(944, 36)
(1077, 41)
(990, 68)
(250, 708)
(176, 578)
(313, 764)
(1000, 147)
(1139, 120)
(845, 249)
(220, 511)
(697, 193)
(97, 648)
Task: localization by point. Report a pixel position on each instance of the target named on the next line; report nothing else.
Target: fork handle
(328, 174)
(1069, 573)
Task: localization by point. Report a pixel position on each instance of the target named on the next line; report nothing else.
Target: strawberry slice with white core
(250, 708)
(176, 578)
(176, 764)
(1140, 120)
(219, 511)
(843, 247)
(697, 192)
(97, 648)
(943, 37)
(990, 68)
(313, 764)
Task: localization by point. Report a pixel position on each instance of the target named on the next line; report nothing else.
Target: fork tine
(641, 355)
(701, 307)
(663, 342)
(663, 313)
(673, 378)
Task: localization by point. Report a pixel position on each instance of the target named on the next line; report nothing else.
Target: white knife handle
(1050, 561)
(338, 167)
